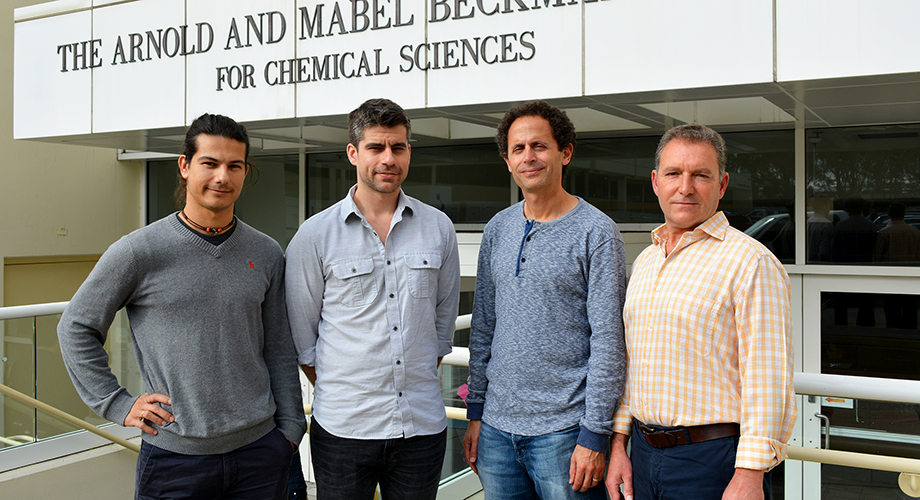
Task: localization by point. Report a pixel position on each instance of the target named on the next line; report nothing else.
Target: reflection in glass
(864, 182)
(452, 377)
(468, 183)
(615, 176)
(18, 373)
(33, 366)
(838, 482)
(870, 334)
(269, 201)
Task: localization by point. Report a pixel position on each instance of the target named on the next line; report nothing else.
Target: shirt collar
(714, 227)
(404, 206)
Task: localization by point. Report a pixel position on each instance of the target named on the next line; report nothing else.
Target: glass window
(452, 378)
(870, 334)
(468, 183)
(615, 176)
(863, 195)
(269, 201)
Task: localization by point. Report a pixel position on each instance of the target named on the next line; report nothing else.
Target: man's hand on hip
(471, 443)
(620, 471)
(587, 468)
(746, 484)
(146, 410)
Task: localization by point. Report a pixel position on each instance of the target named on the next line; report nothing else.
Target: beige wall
(45, 188)
(105, 473)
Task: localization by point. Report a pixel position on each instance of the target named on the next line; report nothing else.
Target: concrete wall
(105, 473)
(58, 199)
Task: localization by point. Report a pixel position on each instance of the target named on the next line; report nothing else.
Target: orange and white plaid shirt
(709, 340)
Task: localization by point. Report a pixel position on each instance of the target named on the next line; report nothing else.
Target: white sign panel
(52, 81)
(656, 45)
(241, 72)
(139, 65)
(349, 51)
(495, 51)
(842, 38)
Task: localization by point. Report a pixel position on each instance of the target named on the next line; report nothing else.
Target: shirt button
(523, 259)
(353, 270)
(528, 238)
(425, 262)
(395, 328)
(398, 362)
(400, 394)
(388, 263)
(391, 295)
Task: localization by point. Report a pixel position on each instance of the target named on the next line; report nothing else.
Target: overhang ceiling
(849, 102)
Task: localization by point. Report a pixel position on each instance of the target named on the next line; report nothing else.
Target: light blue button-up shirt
(373, 318)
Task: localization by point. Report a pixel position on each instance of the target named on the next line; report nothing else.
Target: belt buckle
(646, 429)
(673, 436)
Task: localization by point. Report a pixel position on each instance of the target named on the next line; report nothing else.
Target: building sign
(84, 67)
(160, 63)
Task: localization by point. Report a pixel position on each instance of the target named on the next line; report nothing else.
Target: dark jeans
(693, 471)
(297, 487)
(350, 469)
(257, 471)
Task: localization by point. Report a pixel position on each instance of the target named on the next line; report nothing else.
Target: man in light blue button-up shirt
(373, 285)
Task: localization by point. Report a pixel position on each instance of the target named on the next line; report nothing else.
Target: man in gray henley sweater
(204, 293)
(547, 355)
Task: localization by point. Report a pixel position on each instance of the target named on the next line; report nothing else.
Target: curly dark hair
(559, 122)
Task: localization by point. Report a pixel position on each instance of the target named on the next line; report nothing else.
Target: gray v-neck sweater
(210, 330)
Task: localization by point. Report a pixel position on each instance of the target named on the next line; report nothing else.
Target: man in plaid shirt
(709, 394)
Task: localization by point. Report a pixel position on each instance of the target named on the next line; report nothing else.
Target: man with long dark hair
(204, 293)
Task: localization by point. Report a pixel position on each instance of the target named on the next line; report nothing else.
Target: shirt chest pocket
(357, 286)
(697, 316)
(422, 274)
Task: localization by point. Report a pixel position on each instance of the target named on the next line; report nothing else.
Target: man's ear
(567, 153)
(183, 167)
(352, 154)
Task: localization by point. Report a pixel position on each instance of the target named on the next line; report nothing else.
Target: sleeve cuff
(622, 421)
(593, 440)
(292, 431)
(307, 357)
(120, 408)
(759, 453)
(474, 411)
(445, 348)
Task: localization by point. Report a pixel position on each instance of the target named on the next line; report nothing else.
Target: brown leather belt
(675, 436)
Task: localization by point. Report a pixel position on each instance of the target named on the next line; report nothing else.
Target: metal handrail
(18, 312)
(13, 393)
(817, 384)
(848, 386)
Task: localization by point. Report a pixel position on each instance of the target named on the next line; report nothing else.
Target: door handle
(827, 429)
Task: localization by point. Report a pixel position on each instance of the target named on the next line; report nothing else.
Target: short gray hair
(694, 134)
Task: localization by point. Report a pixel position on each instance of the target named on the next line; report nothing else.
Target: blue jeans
(350, 469)
(257, 471)
(692, 471)
(513, 467)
